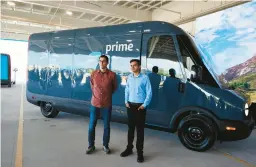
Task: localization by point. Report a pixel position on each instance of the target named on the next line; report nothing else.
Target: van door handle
(181, 87)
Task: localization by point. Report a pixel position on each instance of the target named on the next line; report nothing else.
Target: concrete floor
(61, 142)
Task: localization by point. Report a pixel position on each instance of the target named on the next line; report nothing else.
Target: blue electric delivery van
(188, 97)
(6, 69)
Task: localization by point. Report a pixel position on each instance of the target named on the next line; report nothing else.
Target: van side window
(37, 70)
(186, 58)
(161, 53)
(87, 51)
(60, 82)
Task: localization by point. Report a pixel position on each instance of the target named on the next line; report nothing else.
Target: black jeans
(136, 118)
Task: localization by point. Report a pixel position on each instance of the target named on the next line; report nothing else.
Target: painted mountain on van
(240, 71)
(242, 78)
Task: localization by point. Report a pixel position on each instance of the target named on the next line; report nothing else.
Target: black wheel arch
(183, 112)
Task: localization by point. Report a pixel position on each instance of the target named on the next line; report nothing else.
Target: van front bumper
(243, 129)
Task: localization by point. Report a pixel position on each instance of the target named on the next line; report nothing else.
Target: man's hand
(141, 107)
(127, 105)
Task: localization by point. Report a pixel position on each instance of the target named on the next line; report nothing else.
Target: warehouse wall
(188, 8)
(18, 53)
(189, 27)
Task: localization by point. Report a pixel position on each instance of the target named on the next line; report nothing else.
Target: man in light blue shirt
(138, 94)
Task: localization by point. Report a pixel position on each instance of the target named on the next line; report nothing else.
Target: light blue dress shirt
(138, 89)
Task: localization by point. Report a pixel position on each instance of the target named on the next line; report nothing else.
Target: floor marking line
(19, 151)
(236, 158)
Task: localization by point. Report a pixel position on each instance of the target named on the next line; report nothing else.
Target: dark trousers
(136, 118)
(106, 115)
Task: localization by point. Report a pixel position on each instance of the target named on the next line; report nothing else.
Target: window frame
(180, 42)
(208, 78)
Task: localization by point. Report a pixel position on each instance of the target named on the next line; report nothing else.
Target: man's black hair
(172, 72)
(155, 69)
(104, 56)
(136, 60)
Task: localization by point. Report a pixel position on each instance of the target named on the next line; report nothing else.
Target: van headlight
(246, 109)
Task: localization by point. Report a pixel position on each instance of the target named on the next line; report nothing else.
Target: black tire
(9, 85)
(253, 109)
(197, 133)
(48, 110)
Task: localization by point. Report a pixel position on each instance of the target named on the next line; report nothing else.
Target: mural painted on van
(230, 38)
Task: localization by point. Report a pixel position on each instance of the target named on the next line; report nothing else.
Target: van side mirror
(196, 75)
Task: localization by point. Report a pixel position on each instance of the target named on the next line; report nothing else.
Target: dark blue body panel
(60, 64)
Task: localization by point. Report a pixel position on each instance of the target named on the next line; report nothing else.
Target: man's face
(135, 67)
(103, 63)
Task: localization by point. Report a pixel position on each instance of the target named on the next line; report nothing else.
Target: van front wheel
(197, 133)
(48, 110)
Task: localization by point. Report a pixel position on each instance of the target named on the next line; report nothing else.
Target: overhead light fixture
(11, 3)
(69, 13)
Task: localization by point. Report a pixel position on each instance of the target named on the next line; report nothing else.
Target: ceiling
(20, 18)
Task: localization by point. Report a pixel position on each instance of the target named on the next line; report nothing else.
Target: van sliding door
(166, 75)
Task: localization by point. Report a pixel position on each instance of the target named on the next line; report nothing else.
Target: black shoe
(126, 153)
(106, 150)
(90, 150)
(140, 158)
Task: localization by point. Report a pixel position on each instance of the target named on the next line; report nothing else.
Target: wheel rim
(196, 134)
(46, 108)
